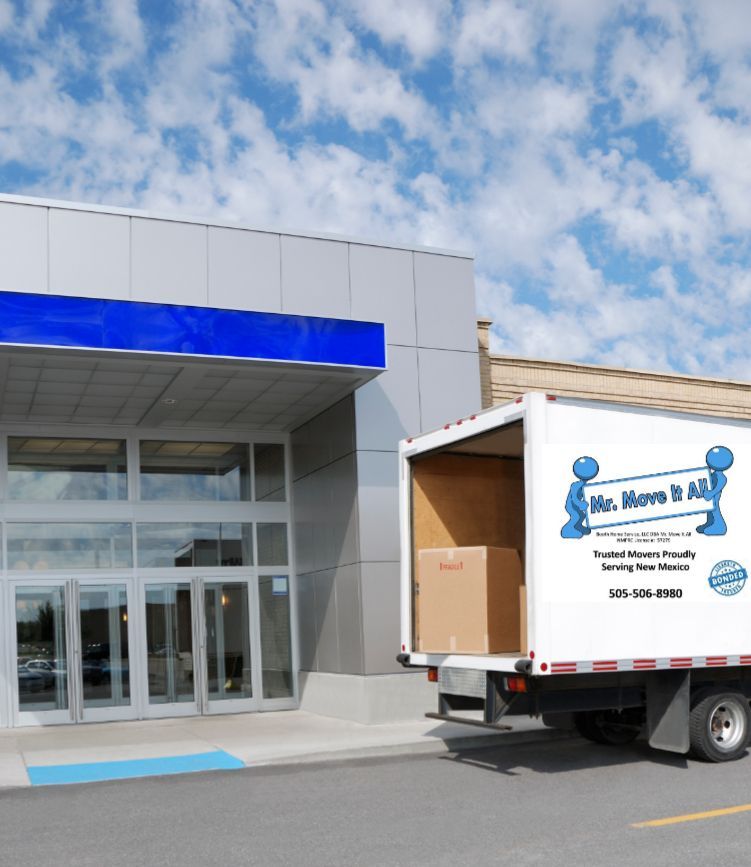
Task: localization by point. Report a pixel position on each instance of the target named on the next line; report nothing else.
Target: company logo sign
(653, 497)
(728, 578)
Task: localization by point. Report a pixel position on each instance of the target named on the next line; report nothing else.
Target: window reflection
(269, 472)
(47, 468)
(69, 546)
(227, 641)
(272, 544)
(105, 667)
(169, 643)
(41, 648)
(276, 644)
(194, 471)
(194, 544)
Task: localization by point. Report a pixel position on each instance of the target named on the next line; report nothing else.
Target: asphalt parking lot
(562, 802)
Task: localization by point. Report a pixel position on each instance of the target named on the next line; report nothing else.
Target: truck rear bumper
(512, 663)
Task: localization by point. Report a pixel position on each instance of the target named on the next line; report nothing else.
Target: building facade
(198, 473)
(505, 377)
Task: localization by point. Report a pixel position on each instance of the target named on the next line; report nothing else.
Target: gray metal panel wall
(345, 460)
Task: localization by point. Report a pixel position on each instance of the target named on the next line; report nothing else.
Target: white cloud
(418, 25)
(6, 15)
(559, 145)
(497, 29)
(302, 44)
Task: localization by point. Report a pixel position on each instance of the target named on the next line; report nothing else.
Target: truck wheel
(719, 727)
(611, 727)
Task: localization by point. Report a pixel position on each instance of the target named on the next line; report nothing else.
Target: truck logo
(728, 578)
(657, 496)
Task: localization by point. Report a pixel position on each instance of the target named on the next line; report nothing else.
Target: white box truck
(633, 529)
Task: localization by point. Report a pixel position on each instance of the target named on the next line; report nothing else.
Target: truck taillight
(433, 675)
(516, 684)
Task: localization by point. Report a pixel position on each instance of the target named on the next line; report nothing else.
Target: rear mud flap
(668, 705)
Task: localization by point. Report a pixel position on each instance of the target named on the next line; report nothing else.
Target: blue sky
(595, 156)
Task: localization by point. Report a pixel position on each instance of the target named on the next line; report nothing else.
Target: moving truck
(586, 562)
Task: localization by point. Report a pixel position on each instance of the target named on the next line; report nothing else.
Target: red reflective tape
(681, 659)
(559, 667)
(605, 662)
(680, 664)
(645, 661)
(717, 660)
(746, 660)
(642, 666)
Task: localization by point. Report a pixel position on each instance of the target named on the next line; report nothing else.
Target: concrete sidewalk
(123, 749)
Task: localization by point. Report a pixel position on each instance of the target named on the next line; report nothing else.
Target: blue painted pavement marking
(51, 775)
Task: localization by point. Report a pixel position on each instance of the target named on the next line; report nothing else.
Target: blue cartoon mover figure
(719, 459)
(585, 469)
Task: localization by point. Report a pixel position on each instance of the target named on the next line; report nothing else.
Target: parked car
(29, 681)
(51, 670)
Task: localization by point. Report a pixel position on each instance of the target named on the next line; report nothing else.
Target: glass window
(194, 471)
(169, 643)
(269, 472)
(41, 648)
(69, 546)
(227, 640)
(105, 667)
(48, 468)
(276, 647)
(272, 544)
(194, 544)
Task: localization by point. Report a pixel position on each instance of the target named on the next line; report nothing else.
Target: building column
(483, 344)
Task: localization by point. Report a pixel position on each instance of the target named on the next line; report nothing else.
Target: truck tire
(719, 726)
(612, 727)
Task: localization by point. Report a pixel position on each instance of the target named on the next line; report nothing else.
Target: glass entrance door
(228, 659)
(72, 651)
(42, 653)
(199, 653)
(103, 652)
(171, 648)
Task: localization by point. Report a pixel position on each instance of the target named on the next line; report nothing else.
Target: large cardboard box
(469, 600)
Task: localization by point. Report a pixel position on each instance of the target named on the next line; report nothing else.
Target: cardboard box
(469, 600)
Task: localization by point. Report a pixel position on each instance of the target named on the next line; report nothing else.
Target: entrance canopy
(91, 361)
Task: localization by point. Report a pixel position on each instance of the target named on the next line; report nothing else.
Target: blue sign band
(136, 326)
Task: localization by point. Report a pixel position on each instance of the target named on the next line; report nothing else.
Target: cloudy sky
(595, 156)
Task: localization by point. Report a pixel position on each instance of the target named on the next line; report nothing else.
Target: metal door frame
(232, 705)
(108, 712)
(166, 709)
(75, 712)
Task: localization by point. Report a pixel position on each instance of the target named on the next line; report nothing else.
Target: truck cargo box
(632, 527)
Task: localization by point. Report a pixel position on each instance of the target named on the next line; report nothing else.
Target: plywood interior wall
(467, 500)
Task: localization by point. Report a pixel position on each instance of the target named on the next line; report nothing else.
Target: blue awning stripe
(136, 326)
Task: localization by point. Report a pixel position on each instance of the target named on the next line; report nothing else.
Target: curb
(434, 746)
